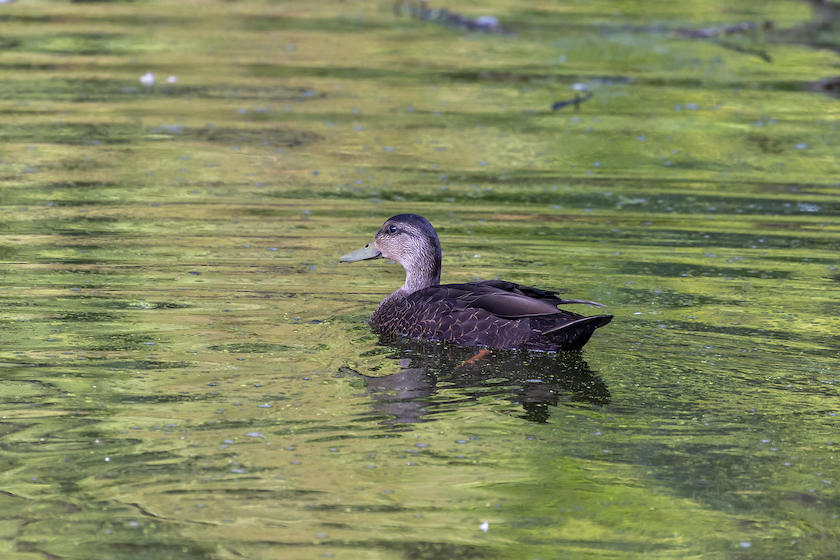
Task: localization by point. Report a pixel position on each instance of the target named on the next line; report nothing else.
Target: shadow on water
(435, 379)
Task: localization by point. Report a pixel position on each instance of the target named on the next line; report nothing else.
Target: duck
(490, 313)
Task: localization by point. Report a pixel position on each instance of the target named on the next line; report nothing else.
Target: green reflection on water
(185, 369)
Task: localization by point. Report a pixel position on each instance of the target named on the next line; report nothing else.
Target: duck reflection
(437, 378)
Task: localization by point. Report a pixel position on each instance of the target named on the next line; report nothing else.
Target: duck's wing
(483, 314)
(506, 299)
(531, 292)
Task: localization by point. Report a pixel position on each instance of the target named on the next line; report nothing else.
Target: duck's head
(411, 241)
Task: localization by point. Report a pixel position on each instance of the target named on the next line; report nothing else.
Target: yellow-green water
(185, 369)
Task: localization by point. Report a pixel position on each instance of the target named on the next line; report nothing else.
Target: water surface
(187, 370)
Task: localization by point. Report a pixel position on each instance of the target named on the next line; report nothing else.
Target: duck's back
(493, 313)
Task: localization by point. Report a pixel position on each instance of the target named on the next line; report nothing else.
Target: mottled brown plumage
(491, 313)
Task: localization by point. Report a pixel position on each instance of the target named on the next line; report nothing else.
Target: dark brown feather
(481, 314)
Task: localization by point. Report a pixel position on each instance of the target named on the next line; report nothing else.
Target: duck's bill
(369, 251)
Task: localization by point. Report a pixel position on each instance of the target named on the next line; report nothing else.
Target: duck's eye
(392, 229)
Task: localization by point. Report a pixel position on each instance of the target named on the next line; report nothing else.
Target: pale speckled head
(406, 238)
(410, 240)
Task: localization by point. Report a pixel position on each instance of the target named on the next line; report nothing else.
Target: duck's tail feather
(592, 322)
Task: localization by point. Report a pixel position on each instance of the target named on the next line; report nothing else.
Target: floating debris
(743, 28)
(577, 100)
(708, 32)
(147, 79)
(487, 24)
(828, 86)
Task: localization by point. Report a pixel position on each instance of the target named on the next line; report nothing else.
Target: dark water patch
(213, 426)
(144, 365)
(658, 233)
(692, 270)
(565, 193)
(657, 184)
(77, 261)
(10, 428)
(113, 342)
(325, 25)
(341, 437)
(107, 220)
(323, 427)
(112, 90)
(700, 84)
(343, 192)
(130, 304)
(97, 366)
(31, 66)
(78, 164)
(86, 317)
(265, 136)
(359, 508)
(72, 133)
(400, 75)
(167, 544)
(102, 1)
(798, 259)
(58, 186)
(241, 93)
(10, 303)
(251, 348)
(734, 240)
(257, 493)
(671, 299)
(827, 86)
(75, 229)
(166, 305)
(768, 144)
(450, 19)
(85, 43)
(28, 18)
(565, 22)
(166, 399)
(21, 389)
(724, 478)
(415, 549)
(8, 44)
(739, 334)
(537, 74)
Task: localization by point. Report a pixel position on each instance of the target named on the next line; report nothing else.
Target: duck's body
(492, 313)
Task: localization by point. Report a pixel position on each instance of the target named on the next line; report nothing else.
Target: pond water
(187, 371)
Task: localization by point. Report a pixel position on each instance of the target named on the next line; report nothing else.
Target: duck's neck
(423, 270)
(420, 275)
